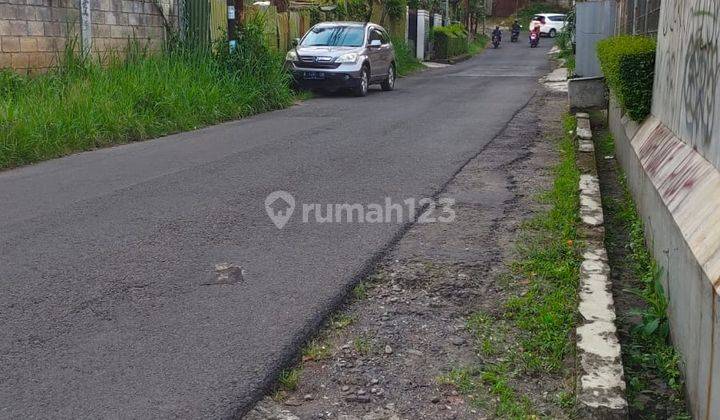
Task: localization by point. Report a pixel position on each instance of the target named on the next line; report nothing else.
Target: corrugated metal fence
(639, 17)
(206, 21)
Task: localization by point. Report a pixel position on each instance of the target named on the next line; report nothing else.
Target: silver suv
(337, 55)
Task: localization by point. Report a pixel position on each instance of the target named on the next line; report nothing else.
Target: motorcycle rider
(497, 32)
(515, 31)
(516, 26)
(535, 30)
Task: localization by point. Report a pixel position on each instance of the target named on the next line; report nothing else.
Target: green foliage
(354, 10)
(289, 379)
(83, 105)
(486, 333)
(363, 345)
(510, 405)
(478, 44)
(316, 16)
(10, 82)
(316, 350)
(464, 379)
(340, 321)
(394, 9)
(405, 60)
(628, 63)
(450, 41)
(360, 292)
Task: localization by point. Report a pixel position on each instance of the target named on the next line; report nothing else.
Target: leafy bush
(450, 41)
(355, 10)
(628, 63)
(82, 105)
(564, 42)
(394, 9)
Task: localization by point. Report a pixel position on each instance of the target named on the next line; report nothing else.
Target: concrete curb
(601, 384)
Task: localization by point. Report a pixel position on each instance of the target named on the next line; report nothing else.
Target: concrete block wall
(672, 162)
(677, 193)
(34, 32)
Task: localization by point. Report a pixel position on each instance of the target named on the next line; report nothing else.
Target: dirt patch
(416, 335)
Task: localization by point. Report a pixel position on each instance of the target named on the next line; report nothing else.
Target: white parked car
(550, 23)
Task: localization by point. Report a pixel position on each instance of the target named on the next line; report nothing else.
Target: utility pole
(235, 13)
(85, 28)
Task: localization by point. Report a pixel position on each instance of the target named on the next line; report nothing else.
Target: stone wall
(34, 32)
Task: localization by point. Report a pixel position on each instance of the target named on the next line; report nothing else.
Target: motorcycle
(496, 41)
(534, 39)
(515, 35)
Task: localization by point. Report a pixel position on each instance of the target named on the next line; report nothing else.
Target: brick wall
(34, 32)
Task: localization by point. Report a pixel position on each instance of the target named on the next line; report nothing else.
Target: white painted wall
(423, 23)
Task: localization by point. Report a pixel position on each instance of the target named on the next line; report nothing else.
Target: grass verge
(82, 105)
(550, 263)
(478, 44)
(534, 336)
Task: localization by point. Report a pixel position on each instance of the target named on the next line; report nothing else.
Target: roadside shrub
(450, 41)
(82, 105)
(405, 60)
(628, 63)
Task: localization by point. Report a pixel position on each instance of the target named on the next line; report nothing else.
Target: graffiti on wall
(687, 94)
(702, 68)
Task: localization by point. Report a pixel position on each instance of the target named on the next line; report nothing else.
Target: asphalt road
(110, 304)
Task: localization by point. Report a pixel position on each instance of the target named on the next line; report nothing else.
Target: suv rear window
(540, 18)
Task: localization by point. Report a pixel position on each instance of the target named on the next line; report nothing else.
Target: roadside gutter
(601, 384)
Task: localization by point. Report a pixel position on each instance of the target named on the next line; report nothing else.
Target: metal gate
(203, 21)
(197, 24)
(412, 30)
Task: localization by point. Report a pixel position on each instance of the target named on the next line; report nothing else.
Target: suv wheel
(362, 90)
(552, 33)
(389, 82)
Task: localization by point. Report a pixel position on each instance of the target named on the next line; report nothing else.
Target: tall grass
(82, 105)
(405, 58)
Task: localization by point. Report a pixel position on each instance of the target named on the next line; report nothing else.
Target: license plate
(314, 75)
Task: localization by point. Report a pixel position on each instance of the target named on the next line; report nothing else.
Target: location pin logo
(280, 205)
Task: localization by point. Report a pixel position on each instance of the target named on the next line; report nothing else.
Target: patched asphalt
(147, 280)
